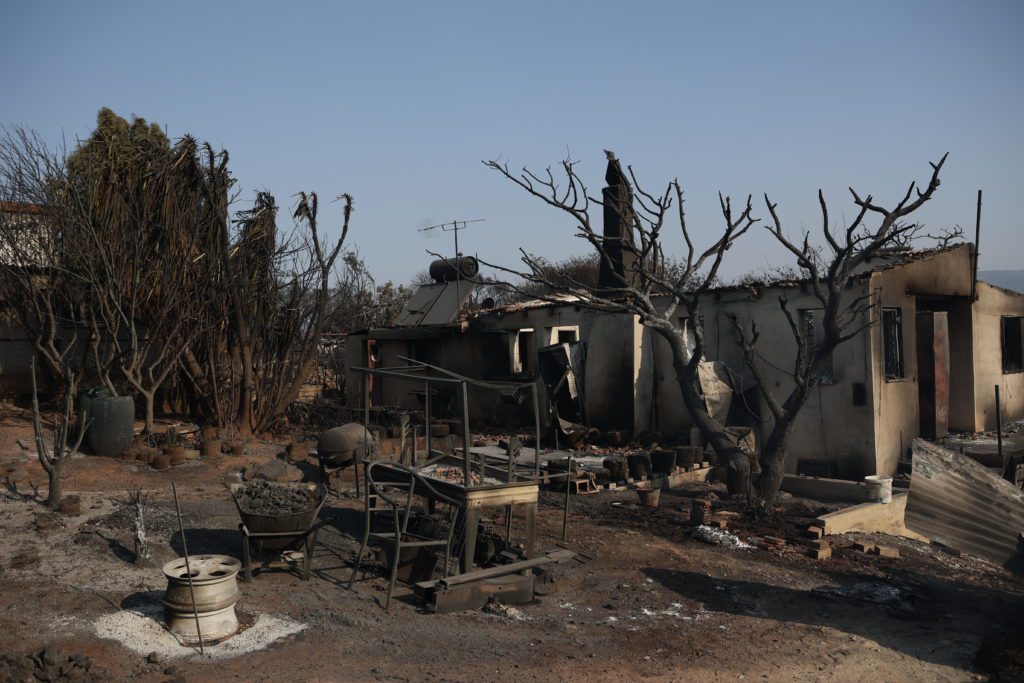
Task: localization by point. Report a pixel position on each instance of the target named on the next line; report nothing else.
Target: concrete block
(869, 518)
(814, 543)
(825, 489)
(820, 554)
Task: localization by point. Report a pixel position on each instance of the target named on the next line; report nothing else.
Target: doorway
(933, 373)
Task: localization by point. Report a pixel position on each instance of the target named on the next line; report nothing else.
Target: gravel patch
(141, 630)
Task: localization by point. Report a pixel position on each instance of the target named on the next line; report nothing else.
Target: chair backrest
(412, 479)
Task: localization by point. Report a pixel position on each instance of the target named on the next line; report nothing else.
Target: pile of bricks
(700, 512)
(874, 549)
(771, 543)
(817, 544)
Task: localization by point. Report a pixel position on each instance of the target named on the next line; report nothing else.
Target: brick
(820, 554)
(814, 532)
(887, 551)
(814, 543)
(864, 547)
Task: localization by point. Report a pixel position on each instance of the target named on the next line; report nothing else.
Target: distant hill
(1008, 279)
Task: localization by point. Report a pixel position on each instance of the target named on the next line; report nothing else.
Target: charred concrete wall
(846, 443)
(995, 303)
(490, 348)
(944, 275)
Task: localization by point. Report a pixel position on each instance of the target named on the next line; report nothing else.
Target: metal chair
(380, 498)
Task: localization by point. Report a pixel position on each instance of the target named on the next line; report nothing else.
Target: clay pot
(211, 448)
(297, 451)
(649, 498)
(639, 465)
(71, 505)
(616, 466)
(237, 448)
(209, 434)
(160, 462)
(663, 461)
(172, 451)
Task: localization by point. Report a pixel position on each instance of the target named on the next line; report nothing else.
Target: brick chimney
(618, 230)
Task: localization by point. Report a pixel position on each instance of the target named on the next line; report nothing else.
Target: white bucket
(879, 488)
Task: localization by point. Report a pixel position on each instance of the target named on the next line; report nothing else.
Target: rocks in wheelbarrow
(262, 497)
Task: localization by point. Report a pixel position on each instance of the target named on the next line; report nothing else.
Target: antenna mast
(453, 227)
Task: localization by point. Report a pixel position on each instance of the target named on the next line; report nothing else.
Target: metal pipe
(366, 425)
(568, 480)
(426, 416)
(188, 568)
(999, 431)
(977, 240)
(536, 427)
(466, 441)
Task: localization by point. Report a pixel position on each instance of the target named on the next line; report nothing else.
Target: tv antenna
(453, 227)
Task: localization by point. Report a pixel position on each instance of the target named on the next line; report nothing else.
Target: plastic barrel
(111, 424)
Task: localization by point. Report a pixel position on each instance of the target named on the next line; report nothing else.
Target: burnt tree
(55, 456)
(830, 272)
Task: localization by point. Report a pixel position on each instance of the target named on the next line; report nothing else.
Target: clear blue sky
(397, 103)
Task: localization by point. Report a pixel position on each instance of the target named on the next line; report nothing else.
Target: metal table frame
(514, 491)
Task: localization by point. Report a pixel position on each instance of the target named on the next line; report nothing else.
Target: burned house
(937, 344)
(932, 346)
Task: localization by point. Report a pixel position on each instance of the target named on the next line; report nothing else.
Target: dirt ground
(648, 602)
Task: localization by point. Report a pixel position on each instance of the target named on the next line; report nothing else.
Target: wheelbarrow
(280, 533)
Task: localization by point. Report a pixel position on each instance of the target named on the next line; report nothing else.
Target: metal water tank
(343, 445)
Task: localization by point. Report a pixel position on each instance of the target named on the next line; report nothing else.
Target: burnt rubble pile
(261, 497)
(49, 665)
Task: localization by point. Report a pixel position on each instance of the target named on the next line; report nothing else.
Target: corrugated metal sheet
(957, 502)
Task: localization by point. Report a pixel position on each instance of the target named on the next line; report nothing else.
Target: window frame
(1018, 365)
(898, 373)
(521, 365)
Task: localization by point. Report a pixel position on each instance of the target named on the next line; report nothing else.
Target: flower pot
(649, 497)
(211, 448)
(639, 465)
